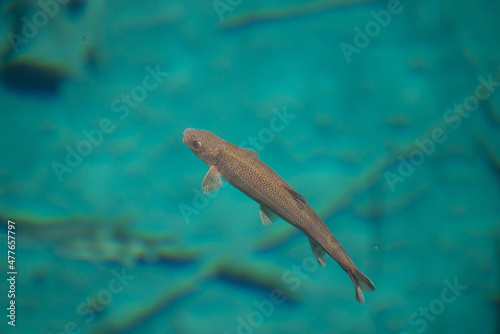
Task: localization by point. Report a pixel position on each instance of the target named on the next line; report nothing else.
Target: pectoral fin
(318, 251)
(267, 215)
(212, 181)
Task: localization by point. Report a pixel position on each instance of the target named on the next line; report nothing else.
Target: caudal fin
(361, 283)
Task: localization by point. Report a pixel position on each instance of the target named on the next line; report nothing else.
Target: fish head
(203, 143)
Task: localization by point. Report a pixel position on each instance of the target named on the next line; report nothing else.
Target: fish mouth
(188, 133)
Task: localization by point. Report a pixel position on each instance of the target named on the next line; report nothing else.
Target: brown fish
(243, 169)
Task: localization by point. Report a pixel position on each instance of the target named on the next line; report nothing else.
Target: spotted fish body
(244, 170)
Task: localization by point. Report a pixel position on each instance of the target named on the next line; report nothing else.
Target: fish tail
(361, 283)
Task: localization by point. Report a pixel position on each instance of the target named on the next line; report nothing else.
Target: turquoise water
(385, 115)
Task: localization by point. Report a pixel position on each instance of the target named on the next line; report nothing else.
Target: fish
(242, 168)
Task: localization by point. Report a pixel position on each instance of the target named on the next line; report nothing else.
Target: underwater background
(385, 115)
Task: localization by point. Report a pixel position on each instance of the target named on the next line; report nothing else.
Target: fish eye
(196, 144)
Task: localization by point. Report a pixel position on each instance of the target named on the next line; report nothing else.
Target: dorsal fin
(301, 201)
(252, 152)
